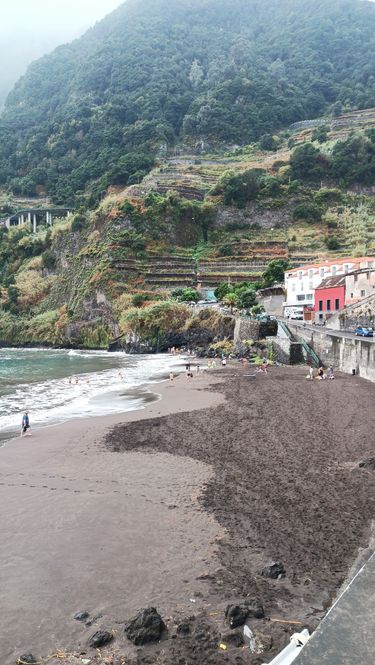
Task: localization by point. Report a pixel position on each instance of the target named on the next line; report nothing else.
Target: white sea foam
(76, 384)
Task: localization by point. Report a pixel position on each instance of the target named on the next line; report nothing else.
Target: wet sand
(180, 506)
(85, 529)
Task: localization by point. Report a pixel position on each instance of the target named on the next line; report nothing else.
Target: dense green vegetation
(205, 72)
(351, 161)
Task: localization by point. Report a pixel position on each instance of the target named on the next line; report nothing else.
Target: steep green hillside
(192, 223)
(155, 73)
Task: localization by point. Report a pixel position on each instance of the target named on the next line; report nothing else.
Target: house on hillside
(329, 297)
(301, 283)
(359, 284)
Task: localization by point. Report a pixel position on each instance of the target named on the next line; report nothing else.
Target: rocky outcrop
(146, 627)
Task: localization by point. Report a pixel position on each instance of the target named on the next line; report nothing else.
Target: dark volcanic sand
(286, 486)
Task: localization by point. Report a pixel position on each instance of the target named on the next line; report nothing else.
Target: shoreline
(110, 399)
(144, 407)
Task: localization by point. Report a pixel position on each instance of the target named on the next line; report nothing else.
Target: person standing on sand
(330, 373)
(198, 369)
(310, 375)
(25, 425)
(171, 377)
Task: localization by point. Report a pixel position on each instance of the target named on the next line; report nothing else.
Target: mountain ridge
(98, 111)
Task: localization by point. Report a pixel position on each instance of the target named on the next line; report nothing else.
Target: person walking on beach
(25, 425)
(198, 369)
(171, 377)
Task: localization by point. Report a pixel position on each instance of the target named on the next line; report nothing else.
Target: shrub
(48, 259)
(139, 299)
(309, 212)
(226, 250)
(332, 243)
(326, 195)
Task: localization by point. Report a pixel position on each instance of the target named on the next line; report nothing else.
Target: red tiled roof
(333, 262)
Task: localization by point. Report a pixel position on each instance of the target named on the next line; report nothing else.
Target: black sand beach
(180, 506)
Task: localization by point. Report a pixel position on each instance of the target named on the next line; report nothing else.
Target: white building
(300, 283)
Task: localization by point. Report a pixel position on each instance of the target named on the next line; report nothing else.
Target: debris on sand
(81, 616)
(234, 639)
(100, 638)
(276, 571)
(237, 614)
(27, 658)
(368, 463)
(147, 626)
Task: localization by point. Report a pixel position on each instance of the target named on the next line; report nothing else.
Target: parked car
(364, 332)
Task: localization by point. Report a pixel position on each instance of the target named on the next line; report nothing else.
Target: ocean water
(58, 385)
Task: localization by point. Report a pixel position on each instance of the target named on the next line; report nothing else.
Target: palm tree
(231, 300)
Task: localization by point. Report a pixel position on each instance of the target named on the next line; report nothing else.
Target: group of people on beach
(321, 375)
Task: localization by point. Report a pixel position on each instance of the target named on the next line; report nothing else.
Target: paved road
(294, 325)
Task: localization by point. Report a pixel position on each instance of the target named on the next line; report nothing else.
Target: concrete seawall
(344, 353)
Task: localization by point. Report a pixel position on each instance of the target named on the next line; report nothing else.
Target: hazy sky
(31, 28)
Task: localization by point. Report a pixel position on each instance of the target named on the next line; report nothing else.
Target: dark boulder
(81, 616)
(100, 638)
(368, 463)
(255, 609)
(275, 571)
(27, 658)
(236, 615)
(147, 626)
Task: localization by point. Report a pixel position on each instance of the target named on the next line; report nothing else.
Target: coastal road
(294, 325)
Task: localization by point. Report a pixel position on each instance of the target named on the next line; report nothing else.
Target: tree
(274, 274)
(320, 134)
(231, 300)
(186, 295)
(307, 163)
(246, 298)
(222, 290)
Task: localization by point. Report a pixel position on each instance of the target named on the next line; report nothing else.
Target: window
(328, 305)
(311, 286)
(337, 304)
(320, 305)
(356, 278)
(321, 272)
(311, 273)
(346, 268)
(309, 296)
(352, 295)
(300, 274)
(363, 293)
(293, 288)
(334, 270)
(301, 298)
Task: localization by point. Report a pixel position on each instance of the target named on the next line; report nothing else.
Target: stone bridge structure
(35, 216)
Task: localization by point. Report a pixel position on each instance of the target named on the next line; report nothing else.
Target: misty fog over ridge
(30, 29)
